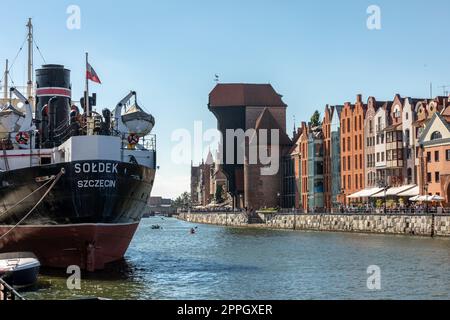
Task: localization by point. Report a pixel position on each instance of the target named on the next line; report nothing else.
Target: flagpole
(86, 99)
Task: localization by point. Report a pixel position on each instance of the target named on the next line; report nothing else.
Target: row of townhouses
(361, 151)
(398, 148)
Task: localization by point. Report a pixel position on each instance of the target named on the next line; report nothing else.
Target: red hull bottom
(89, 246)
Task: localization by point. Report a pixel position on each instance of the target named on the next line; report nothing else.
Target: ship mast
(5, 87)
(30, 61)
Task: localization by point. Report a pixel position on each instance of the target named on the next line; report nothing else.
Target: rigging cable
(39, 50)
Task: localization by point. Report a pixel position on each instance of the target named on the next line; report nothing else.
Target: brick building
(255, 109)
(352, 148)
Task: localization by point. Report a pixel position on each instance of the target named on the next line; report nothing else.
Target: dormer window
(436, 136)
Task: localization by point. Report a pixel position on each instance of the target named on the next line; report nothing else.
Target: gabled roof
(245, 95)
(437, 116)
(267, 122)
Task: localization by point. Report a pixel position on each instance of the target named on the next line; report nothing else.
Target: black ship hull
(88, 219)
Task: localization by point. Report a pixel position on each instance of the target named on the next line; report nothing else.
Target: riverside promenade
(421, 224)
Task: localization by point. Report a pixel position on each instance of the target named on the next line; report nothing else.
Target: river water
(222, 263)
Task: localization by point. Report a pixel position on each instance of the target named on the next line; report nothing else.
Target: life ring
(133, 139)
(22, 138)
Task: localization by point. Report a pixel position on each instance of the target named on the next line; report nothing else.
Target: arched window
(436, 136)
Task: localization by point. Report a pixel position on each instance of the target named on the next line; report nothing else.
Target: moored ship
(74, 184)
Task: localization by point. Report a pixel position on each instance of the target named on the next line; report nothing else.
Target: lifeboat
(138, 121)
(11, 119)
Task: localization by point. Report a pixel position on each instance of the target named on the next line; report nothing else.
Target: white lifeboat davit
(138, 121)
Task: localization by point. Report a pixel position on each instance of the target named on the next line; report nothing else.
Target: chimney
(359, 98)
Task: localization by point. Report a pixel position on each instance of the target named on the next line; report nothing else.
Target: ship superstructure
(74, 183)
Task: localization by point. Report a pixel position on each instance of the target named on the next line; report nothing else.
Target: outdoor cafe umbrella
(415, 199)
(434, 198)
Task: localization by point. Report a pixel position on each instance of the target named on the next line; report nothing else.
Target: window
(447, 155)
(349, 127)
(349, 182)
(410, 177)
(407, 116)
(349, 163)
(378, 157)
(370, 126)
(343, 144)
(349, 144)
(437, 177)
(382, 156)
(407, 135)
(356, 181)
(46, 161)
(436, 136)
(429, 177)
(389, 155)
(343, 126)
(360, 161)
(436, 156)
(408, 154)
(428, 156)
(344, 161)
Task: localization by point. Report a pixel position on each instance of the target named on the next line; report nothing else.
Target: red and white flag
(91, 74)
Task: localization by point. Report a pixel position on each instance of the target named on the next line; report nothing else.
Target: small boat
(19, 270)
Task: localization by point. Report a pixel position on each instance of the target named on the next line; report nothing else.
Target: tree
(219, 194)
(315, 119)
(183, 201)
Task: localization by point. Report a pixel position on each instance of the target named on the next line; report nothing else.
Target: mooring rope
(28, 196)
(55, 181)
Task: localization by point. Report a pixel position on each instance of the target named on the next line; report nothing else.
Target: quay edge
(411, 225)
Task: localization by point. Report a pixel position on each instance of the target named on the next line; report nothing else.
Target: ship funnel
(53, 86)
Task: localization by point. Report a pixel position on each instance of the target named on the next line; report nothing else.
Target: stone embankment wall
(418, 225)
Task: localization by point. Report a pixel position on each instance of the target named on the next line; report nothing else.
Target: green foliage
(219, 194)
(315, 119)
(379, 204)
(183, 201)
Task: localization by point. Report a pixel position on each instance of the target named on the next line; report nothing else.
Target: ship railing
(8, 293)
(149, 142)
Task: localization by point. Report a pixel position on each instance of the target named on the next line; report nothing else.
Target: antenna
(444, 88)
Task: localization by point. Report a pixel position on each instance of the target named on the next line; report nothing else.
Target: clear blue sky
(313, 53)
